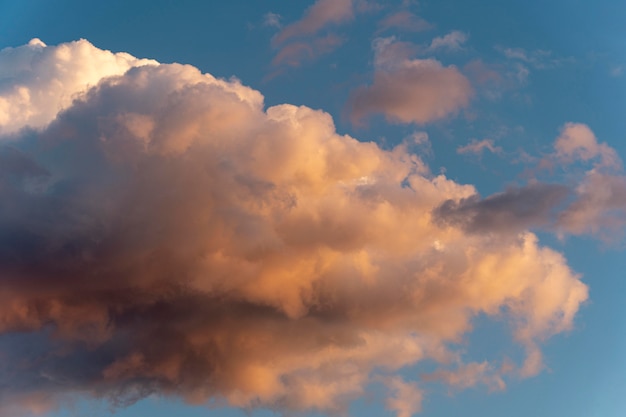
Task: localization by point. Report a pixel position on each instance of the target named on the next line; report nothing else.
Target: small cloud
(296, 53)
(406, 398)
(300, 41)
(321, 14)
(272, 20)
(477, 147)
(453, 41)
(616, 71)
(409, 90)
(469, 375)
(540, 59)
(577, 142)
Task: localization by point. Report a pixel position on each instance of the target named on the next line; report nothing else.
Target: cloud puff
(409, 90)
(453, 41)
(37, 81)
(578, 143)
(295, 53)
(167, 234)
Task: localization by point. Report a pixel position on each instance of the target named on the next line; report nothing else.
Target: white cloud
(38, 81)
(453, 41)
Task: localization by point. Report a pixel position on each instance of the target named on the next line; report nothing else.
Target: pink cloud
(318, 16)
(578, 142)
(409, 90)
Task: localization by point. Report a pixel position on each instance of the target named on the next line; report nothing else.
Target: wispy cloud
(301, 41)
(453, 41)
(477, 147)
(272, 20)
(538, 58)
(321, 14)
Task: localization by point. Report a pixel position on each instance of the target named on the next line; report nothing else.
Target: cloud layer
(166, 233)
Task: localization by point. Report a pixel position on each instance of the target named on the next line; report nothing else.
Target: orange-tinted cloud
(168, 234)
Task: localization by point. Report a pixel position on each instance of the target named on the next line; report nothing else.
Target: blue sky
(162, 215)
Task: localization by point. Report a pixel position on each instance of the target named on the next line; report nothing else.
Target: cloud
(578, 143)
(300, 41)
(594, 203)
(296, 53)
(453, 41)
(37, 81)
(510, 211)
(321, 14)
(539, 58)
(167, 234)
(478, 146)
(600, 204)
(404, 20)
(410, 90)
(406, 400)
(272, 20)
(469, 375)
(599, 208)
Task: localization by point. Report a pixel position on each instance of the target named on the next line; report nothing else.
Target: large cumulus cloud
(167, 234)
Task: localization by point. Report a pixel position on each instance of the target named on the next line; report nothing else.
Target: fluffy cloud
(36, 81)
(478, 146)
(168, 234)
(578, 143)
(600, 204)
(409, 90)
